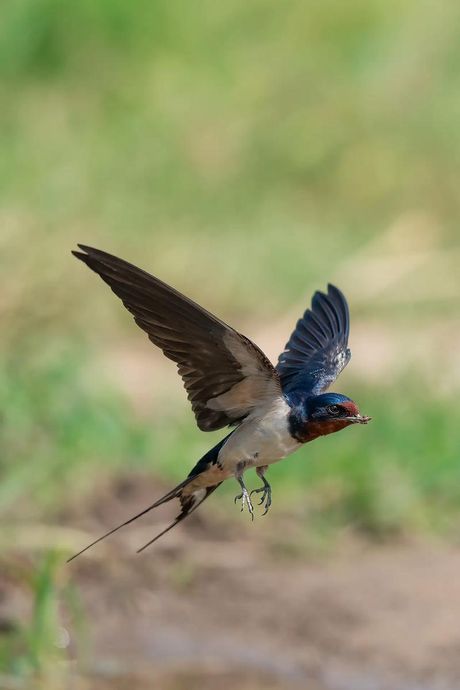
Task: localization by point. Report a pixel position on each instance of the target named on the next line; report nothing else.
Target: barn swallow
(231, 383)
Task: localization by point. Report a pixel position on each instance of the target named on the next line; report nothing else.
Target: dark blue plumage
(209, 458)
(317, 350)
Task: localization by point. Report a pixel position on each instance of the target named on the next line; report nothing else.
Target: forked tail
(189, 502)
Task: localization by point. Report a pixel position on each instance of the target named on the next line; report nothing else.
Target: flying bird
(272, 410)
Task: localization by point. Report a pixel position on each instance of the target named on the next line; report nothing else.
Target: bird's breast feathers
(261, 440)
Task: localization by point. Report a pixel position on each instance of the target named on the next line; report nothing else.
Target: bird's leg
(266, 489)
(244, 495)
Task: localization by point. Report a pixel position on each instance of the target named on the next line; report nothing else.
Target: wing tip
(93, 253)
(79, 255)
(86, 252)
(334, 290)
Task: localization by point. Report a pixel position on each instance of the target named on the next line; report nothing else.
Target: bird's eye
(334, 410)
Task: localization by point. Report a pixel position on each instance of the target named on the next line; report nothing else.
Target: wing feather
(215, 362)
(317, 350)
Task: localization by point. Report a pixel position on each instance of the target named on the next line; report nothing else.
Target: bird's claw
(266, 496)
(245, 499)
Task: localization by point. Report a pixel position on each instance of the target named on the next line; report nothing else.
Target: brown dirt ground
(215, 604)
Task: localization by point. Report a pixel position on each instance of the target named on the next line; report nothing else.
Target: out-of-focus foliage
(246, 153)
(281, 137)
(40, 648)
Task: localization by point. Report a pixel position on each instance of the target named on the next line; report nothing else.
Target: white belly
(260, 441)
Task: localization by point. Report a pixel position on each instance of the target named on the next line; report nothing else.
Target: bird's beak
(358, 419)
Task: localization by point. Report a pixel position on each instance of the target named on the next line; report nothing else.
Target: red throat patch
(314, 429)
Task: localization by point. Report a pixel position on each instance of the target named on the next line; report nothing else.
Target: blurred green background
(246, 153)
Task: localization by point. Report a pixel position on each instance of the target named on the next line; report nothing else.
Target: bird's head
(323, 414)
(333, 410)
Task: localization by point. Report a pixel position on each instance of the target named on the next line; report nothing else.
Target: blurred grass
(281, 138)
(37, 650)
(243, 152)
(246, 153)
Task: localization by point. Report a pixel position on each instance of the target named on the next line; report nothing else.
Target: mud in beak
(358, 419)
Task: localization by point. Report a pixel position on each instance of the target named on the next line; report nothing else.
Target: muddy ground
(220, 604)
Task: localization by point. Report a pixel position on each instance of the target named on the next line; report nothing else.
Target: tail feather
(188, 506)
(174, 493)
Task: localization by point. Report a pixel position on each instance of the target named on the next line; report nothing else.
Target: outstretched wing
(317, 350)
(226, 376)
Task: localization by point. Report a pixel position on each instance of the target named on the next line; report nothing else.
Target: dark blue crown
(324, 400)
(330, 399)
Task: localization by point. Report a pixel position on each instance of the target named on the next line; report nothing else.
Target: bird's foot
(245, 499)
(266, 496)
